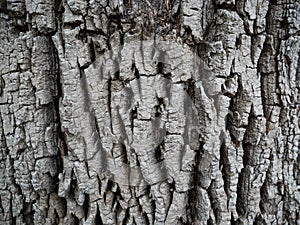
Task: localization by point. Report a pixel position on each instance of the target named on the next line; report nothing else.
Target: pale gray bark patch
(93, 130)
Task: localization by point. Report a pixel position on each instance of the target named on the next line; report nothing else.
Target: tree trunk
(149, 112)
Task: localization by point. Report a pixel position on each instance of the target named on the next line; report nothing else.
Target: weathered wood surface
(149, 112)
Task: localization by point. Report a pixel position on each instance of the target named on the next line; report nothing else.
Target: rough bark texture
(67, 119)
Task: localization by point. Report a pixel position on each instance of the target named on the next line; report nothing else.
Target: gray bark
(149, 112)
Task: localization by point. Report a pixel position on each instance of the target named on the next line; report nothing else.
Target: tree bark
(149, 112)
